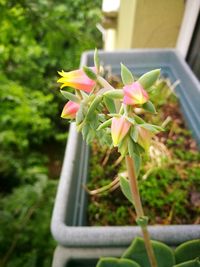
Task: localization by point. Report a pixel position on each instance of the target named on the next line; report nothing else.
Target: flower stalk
(139, 209)
(109, 114)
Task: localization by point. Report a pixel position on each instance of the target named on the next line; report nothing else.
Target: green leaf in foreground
(188, 251)
(192, 263)
(115, 262)
(137, 252)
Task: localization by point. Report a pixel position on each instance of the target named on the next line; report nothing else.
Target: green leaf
(137, 252)
(80, 114)
(93, 106)
(123, 146)
(70, 96)
(85, 131)
(127, 77)
(105, 124)
(138, 119)
(90, 136)
(134, 153)
(149, 106)
(96, 60)
(149, 78)
(110, 104)
(115, 262)
(152, 128)
(118, 94)
(188, 251)
(90, 73)
(192, 263)
(125, 187)
(134, 133)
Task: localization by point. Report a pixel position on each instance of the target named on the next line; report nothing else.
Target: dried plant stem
(139, 209)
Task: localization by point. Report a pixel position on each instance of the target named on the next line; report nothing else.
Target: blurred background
(37, 38)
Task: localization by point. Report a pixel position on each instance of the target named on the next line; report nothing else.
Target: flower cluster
(113, 116)
(110, 114)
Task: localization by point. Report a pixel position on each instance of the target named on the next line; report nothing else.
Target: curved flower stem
(139, 209)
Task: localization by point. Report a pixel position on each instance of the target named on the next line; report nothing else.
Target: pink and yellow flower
(134, 94)
(70, 109)
(119, 129)
(77, 79)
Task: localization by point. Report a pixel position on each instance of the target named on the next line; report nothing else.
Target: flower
(77, 79)
(69, 110)
(134, 94)
(119, 129)
(144, 137)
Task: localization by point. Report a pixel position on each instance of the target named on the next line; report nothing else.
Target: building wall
(148, 23)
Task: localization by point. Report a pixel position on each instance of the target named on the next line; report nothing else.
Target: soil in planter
(169, 181)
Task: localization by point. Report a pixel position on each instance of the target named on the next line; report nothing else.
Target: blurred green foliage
(37, 38)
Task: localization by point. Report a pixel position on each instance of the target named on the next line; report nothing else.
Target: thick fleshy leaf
(96, 60)
(138, 119)
(81, 113)
(137, 252)
(116, 262)
(70, 96)
(149, 78)
(116, 94)
(192, 263)
(152, 128)
(134, 133)
(85, 131)
(188, 251)
(125, 187)
(127, 77)
(109, 104)
(90, 73)
(123, 147)
(94, 105)
(105, 124)
(134, 153)
(149, 106)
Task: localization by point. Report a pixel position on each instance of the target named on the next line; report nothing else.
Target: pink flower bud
(144, 137)
(77, 79)
(69, 110)
(134, 94)
(119, 129)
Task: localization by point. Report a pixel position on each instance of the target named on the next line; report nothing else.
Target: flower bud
(144, 137)
(134, 94)
(69, 110)
(119, 129)
(77, 79)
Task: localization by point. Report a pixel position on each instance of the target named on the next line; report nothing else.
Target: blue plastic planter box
(82, 257)
(69, 226)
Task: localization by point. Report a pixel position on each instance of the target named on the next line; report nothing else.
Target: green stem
(139, 209)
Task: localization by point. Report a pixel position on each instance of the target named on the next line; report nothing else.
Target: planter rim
(79, 236)
(63, 255)
(86, 236)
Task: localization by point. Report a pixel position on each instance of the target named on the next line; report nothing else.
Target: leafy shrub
(37, 38)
